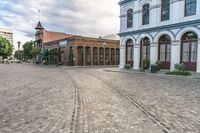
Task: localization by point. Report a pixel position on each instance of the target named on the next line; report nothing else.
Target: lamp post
(18, 48)
(104, 44)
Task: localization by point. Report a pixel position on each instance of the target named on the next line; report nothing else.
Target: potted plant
(127, 66)
(180, 70)
(158, 63)
(180, 67)
(146, 63)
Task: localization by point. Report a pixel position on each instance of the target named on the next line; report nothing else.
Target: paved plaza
(48, 99)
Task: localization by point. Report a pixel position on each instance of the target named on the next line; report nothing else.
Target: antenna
(38, 14)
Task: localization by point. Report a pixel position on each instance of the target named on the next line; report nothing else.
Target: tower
(39, 35)
(39, 26)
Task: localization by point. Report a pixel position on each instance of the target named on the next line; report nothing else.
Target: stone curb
(155, 74)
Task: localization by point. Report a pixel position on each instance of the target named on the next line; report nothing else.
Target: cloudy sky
(83, 17)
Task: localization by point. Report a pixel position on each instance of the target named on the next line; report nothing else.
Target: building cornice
(125, 1)
(159, 28)
(174, 1)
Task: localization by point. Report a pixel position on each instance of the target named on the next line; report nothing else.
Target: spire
(39, 26)
(39, 15)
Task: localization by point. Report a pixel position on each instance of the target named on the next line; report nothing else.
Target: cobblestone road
(89, 100)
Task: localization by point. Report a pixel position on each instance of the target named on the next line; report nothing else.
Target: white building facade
(165, 30)
(8, 34)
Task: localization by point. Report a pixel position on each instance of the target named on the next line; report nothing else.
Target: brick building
(76, 50)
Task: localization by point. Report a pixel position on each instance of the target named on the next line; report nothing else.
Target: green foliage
(5, 47)
(182, 73)
(52, 52)
(35, 51)
(28, 50)
(180, 70)
(180, 67)
(127, 66)
(158, 62)
(55, 52)
(21, 55)
(146, 63)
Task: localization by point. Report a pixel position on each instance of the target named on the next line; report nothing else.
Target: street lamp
(18, 48)
(104, 44)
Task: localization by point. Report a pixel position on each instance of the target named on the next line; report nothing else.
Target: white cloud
(83, 17)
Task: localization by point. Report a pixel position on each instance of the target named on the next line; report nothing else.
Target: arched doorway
(101, 56)
(117, 56)
(107, 61)
(80, 56)
(71, 57)
(129, 52)
(112, 58)
(87, 56)
(95, 56)
(145, 53)
(164, 51)
(189, 50)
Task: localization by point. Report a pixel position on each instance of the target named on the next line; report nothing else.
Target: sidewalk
(148, 72)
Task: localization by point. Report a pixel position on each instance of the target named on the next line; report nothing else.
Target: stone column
(175, 54)
(153, 53)
(91, 56)
(136, 65)
(122, 56)
(198, 56)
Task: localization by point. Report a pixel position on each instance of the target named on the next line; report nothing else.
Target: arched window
(129, 52)
(146, 48)
(164, 50)
(145, 14)
(189, 50)
(145, 53)
(130, 18)
(190, 7)
(165, 10)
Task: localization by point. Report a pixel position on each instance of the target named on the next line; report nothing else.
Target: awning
(44, 52)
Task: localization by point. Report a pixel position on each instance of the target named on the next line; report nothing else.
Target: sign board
(63, 44)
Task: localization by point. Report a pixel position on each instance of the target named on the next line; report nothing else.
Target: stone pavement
(89, 100)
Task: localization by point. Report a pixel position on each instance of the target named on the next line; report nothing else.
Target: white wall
(176, 14)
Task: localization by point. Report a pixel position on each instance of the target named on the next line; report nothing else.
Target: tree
(5, 48)
(28, 50)
(35, 52)
(21, 54)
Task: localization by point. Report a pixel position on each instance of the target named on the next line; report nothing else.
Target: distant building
(76, 50)
(8, 34)
(165, 30)
(112, 37)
